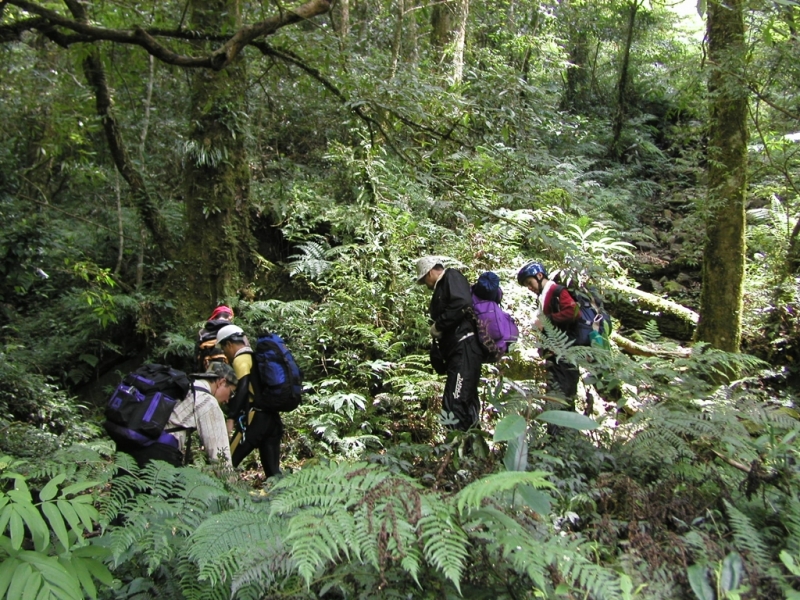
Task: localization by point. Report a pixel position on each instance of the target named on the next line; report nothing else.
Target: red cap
(220, 312)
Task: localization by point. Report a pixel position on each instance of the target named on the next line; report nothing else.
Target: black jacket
(452, 298)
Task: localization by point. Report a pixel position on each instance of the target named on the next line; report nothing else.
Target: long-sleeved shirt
(563, 312)
(452, 297)
(200, 410)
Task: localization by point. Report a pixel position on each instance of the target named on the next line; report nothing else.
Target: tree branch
(96, 77)
(217, 60)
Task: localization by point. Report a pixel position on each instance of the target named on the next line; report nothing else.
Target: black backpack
(280, 381)
(591, 308)
(206, 350)
(140, 407)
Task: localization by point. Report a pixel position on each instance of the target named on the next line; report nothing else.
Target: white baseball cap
(425, 264)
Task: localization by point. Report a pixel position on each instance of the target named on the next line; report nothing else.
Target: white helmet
(229, 331)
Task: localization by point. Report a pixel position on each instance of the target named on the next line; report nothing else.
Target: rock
(673, 287)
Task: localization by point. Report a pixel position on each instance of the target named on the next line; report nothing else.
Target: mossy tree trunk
(577, 92)
(723, 257)
(217, 242)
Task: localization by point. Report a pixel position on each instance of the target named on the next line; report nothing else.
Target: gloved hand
(435, 332)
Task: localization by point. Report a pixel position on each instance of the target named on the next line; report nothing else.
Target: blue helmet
(530, 270)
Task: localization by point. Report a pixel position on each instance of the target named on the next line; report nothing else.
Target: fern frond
(444, 542)
(473, 495)
(650, 333)
(311, 261)
(748, 538)
(216, 545)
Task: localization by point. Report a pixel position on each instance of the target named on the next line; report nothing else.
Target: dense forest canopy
(293, 161)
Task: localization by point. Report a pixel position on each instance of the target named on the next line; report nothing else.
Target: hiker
(206, 350)
(497, 329)
(254, 427)
(453, 333)
(199, 410)
(563, 312)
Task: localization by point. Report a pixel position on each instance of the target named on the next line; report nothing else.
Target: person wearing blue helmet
(563, 312)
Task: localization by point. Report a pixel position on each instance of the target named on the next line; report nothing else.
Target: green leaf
(19, 581)
(5, 515)
(78, 487)
(65, 506)
(509, 428)
(699, 581)
(20, 493)
(89, 556)
(63, 584)
(50, 490)
(40, 532)
(731, 574)
(516, 457)
(77, 565)
(17, 528)
(537, 501)
(473, 494)
(86, 513)
(53, 515)
(789, 563)
(32, 586)
(7, 568)
(99, 571)
(565, 418)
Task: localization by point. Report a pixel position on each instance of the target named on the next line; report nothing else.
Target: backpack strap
(555, 299)
(195, 389)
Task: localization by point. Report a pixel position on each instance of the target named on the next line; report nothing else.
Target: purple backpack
(496, 328)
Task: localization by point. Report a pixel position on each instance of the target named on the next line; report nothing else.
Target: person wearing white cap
(256, 428)
(454, 332)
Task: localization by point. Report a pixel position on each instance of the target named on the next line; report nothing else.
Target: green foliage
(62, 563)
(361, 159)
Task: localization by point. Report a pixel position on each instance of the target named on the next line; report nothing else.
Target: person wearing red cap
(206, 350)
(222, 313)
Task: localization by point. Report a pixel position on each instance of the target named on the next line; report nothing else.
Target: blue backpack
(590, 306)
(496, 328)
(280, 381)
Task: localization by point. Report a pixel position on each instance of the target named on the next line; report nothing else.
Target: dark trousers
(264, 432)
(463, 377)
(562, 378)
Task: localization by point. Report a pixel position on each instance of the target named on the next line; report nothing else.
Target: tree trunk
(343, 12)
(442, 25)
(622, 86)
(723, 256)
(217, 243)
(96, 77)
(397, 42)
(448, 36)
(576, 96)
(459, 41)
